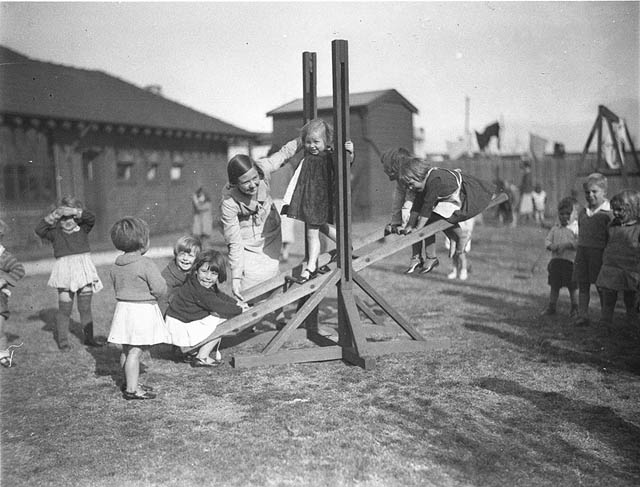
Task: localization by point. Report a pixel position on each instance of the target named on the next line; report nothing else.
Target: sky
(540, 67)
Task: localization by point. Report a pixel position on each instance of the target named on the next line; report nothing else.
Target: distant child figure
(137, 321)
(11, 271)
(67, 228)
(443, 194)
(185, 251)
(593, 233)
(539, 197)
(526, 192)
(202, 215)
(562, 242)
(620, 271)
(310, 194)
(198, 307)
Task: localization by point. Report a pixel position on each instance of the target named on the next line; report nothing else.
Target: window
(29, 182)
(124, 171)
(176, 172)
(152, 172)
(87, 170)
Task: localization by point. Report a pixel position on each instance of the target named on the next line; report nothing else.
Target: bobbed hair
(71, 202)
(317, 125)
(567, 204)
(597, 179)
(628, 199)
(238, 165)
(216, 262)
(392, 158)
(412, 167)
(130, 234)
(187, 243)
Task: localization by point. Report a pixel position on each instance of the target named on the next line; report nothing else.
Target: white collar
(605, 206)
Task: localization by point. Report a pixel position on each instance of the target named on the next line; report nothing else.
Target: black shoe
(429, 265)
(136, 395)
(143, 387)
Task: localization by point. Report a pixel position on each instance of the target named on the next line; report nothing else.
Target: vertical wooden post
(350, 332)
(309, 112)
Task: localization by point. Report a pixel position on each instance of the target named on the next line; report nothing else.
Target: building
(379, 120)
(121, 149)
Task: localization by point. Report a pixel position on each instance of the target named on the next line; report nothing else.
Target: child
(67, 228)
(620, 269)
(202, 215)
(198, 307)
(137, 321)
(593, 227)
(401, 206)
(443, 194)
(539, 196)
(11, 271)
(185, 251)
(310, 193)
(562, 241)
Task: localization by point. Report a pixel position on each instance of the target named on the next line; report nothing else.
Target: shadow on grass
(48, 317)
(600, 421)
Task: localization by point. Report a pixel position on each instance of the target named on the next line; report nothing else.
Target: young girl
(137, 321)
(198, 307)
(310, 195)
(185, 251)
(11, 271)
(562, 241)
(593, 228)
(443, 194)
(620, 271)
(74, 274)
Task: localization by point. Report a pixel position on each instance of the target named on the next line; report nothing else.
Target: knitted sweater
(10, 269)
(137, 278)
(193, 302)
(594, 226)
(67, 243)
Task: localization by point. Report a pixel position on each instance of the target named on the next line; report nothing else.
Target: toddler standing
(620, 271)
(11, 271)
(137, 321)
(73, 274)
(562, 241)
(593, 228)
(310, 194)
(539, 197)
(198, 307)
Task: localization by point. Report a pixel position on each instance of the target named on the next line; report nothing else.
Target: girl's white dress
(73, 272)
(192, 333)
(136, 323)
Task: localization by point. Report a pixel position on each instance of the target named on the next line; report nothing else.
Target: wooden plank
(301, 355)
(349, 325)
(254, 314)
(397, 317)
(303, 312)
(367, 362)
(368, 312)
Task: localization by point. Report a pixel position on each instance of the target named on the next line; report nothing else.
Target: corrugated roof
(41, 89)
(356, 100)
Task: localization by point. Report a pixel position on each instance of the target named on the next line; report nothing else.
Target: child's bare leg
(63, 317)
(431, 260)
(206, 349)
(313, 244)
(584, 290)
(630, 303)
(609, 298)
(573, 296)
(132, 367)
(554, 294)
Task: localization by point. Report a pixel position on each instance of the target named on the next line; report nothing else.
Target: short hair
(392, 158)
(187, 243)
(130, 234)
(413, 168)
(628, 199)
(597, 179)
(216, 262)
(238, 165)
(71, 202)
(316, 125)
(568, 203)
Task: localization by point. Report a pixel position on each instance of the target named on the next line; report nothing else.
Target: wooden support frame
(352, 345)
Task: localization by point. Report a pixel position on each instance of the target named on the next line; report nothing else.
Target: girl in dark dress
(310, 194)
(443, 194)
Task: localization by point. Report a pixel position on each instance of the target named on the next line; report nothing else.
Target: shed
(379, 120)
(121, 149)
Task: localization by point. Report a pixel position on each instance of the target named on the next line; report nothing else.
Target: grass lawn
(513, 400)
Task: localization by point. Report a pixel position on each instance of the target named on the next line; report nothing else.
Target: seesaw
(352, 345)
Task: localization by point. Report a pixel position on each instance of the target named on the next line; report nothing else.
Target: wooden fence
(558, 176)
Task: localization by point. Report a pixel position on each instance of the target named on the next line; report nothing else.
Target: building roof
(356, 100)
(39, 89)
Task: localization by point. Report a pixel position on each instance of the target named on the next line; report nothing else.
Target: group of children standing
(599, 244)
